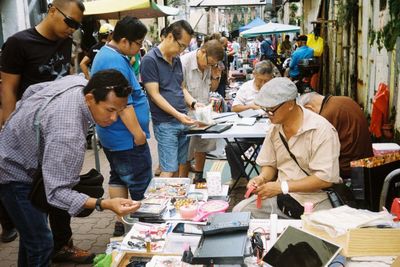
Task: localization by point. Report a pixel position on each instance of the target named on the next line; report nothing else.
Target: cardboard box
(363, 241)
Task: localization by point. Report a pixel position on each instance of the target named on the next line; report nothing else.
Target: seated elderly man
(263, 72)
(350, 123)
(299, 157)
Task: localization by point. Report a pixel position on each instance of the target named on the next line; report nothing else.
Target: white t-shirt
(246, 94)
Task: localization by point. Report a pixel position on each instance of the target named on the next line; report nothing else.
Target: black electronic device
(231, 222)
(218, 128)
(187, 228)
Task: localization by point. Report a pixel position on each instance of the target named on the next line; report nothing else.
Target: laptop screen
(296, 248)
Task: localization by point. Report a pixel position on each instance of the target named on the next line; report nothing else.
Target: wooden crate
(363, 241)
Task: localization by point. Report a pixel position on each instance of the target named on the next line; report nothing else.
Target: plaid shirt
(64, 122)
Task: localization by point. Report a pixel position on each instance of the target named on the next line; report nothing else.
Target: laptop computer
(297, 248)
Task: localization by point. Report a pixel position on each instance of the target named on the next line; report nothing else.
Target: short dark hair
(61, 3)
(162, 32)
(214, 49)
(99, 82)
(177, 27)
(130, 28)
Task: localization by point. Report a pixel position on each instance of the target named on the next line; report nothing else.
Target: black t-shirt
(94, 49)
(35, 58)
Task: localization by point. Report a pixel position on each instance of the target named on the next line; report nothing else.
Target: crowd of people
(46, 114)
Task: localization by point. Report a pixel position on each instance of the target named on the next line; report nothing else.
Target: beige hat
(106, 29)
(275, 92)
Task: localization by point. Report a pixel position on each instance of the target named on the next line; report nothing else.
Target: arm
(84, 66)
(240, 108)
(120, 206)
(10, 83)
(153, 91)
(128, 117)
(308, 184)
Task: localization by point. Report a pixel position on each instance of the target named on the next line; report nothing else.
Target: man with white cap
(104, 36)
(299, 156)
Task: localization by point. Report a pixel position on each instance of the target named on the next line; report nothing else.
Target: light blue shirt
(300, 53)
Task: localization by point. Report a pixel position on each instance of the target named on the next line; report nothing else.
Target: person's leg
(64, 249)
(116, 188)
(166, 135)
(133, 168)
(36, 240)
(183, 149)
(234, 158)
(9, 233)
(268, 207)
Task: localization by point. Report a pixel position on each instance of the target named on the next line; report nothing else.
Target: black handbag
(90, 184)
(338, 194)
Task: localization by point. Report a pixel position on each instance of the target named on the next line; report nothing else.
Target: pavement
(94, 232)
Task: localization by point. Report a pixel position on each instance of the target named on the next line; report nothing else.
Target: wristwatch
(284, 187)
(98, 204)
(193, 104)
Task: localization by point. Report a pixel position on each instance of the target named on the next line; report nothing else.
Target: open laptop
(296, 248)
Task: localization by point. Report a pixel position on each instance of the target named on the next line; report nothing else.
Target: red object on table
(395, 209)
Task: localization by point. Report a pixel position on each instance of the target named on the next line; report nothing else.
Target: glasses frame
(181, 46)
(271, 111)
(139, 44)
(212, 66)
(68, 20)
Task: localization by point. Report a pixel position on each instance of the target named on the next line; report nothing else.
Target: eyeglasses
(140, 44)
(68, 20)
(181, 46)
(271, 111)
(211, 65)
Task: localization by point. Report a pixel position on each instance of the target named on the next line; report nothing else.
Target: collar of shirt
(117, 50)
(158, 53)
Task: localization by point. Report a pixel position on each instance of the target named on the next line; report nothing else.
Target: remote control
(225, 227)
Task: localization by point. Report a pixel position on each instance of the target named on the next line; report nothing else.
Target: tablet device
(297, 248)
(218, 128)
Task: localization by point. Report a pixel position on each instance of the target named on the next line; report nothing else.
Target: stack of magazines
(151, 208)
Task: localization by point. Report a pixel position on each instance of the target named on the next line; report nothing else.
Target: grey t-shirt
(154, 68)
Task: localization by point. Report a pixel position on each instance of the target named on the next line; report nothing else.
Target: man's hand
(185, 119)
(140, 138)
(269, 190)
(254, 106)
(255, 182)
(121, 206)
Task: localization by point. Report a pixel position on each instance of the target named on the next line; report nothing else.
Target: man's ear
(89, 98)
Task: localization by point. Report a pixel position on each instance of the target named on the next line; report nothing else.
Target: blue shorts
(173, 145)
(131, 168)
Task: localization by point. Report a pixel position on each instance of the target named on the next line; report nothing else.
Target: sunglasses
(68, 20)
(118, 89)
(271, 111)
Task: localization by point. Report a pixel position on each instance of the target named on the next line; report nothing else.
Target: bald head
(311, 101)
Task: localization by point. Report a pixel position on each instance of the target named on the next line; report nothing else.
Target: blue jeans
(131, 168)
(173, 145)
(36, 240)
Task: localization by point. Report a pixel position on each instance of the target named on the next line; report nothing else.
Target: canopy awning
(269, 28)
(254, 23)
(116, 9)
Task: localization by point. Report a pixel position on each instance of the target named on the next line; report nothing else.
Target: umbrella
(269, 28)
(112, 9)
(255, 22)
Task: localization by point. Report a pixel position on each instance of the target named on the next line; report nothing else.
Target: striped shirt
(64, 122)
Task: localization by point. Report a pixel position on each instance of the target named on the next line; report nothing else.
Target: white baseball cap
(275, 92)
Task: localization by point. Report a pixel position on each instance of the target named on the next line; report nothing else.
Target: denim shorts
(173, 145)
(131, 168)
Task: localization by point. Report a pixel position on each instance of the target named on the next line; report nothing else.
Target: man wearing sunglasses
(162, 76)
(124, 142)
(198, 79)
(65, 108)
(284, 183)
(40, 54)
